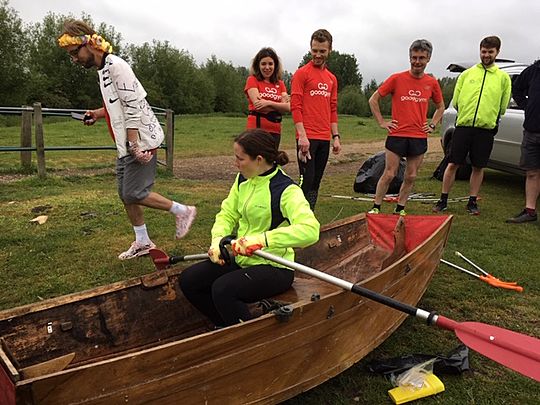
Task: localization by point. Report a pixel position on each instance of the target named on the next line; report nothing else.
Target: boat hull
(265, 360)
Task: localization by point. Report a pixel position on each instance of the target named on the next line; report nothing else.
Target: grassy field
(76, 249)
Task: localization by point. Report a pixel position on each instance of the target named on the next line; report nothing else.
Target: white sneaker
(184, 221)
(136, 249)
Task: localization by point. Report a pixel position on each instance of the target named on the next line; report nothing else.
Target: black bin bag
(371, 171)
(455, 362)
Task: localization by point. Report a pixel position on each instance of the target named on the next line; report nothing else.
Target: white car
(507, 143)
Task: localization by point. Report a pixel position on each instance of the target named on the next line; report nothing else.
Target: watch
(336, 136)
(432, 125)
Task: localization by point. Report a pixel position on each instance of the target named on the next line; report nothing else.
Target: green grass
(76, 249)
(195, 135)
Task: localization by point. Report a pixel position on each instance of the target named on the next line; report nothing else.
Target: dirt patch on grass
(347, 162)
(222, 167)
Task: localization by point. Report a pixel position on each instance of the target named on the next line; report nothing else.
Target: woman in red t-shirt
(266, 93)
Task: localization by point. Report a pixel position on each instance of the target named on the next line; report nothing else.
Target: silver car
(506, 147)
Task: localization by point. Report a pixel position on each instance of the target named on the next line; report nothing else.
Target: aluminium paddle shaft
(431, 318)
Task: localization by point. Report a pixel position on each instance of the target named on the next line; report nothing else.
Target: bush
(352, 101)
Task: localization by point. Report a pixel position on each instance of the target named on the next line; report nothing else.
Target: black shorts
(530, 151)
(405, 146)
(477, 142)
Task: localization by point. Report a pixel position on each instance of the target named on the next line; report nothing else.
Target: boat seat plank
(8, 361)
(303, 289)
(48, 367)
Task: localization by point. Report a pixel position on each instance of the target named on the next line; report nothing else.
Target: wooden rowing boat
(140, 341)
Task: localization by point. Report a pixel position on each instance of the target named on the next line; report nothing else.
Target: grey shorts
(530, 150)
(134, 179)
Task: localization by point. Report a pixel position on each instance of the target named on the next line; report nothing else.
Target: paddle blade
(160, 259)
(511, 349)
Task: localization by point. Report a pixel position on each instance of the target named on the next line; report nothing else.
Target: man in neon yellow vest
(481, 96)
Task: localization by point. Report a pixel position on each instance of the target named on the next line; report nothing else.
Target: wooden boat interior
(147, 311)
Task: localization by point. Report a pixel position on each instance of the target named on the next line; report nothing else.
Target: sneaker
(400, 212)
(135, 250)
(522, 217)
(440, 206)
(472, 208)
(184, 221)
(374, 211)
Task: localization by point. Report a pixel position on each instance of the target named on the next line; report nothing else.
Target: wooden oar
(511, 349)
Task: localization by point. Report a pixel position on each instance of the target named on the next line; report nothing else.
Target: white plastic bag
(415, 376)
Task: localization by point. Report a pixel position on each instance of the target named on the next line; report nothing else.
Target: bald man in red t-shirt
(314, 112)
(408, 129)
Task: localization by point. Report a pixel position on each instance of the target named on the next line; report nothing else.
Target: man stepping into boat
(408, 129)
(271, 213)
(135, 130)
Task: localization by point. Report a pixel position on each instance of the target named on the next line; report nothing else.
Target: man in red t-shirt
(314, 112)
(408, 129)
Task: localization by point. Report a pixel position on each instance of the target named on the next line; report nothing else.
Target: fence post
(40, 146)
(26, 138)
(169, 139)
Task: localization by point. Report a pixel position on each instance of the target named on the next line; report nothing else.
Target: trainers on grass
(400, 212)
(136, 249)
(440, 206)
(184, 221)
(374, 211)
(522, 217)
(472, 208)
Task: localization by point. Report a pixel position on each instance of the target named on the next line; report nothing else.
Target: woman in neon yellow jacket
(269, 211)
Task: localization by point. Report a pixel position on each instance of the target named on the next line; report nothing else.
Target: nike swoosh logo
(113, 101)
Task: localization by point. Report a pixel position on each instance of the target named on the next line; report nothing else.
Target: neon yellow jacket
(481, 96)
(272, 204)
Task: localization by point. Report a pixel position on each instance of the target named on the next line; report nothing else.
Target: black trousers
(223, 292)
(312, 171)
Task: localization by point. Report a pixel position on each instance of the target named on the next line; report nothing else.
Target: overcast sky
(377, 32)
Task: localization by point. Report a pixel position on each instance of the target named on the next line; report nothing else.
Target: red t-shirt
(410, 101)
(267, 91)
(314, 100)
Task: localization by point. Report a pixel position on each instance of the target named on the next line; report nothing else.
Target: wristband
(432, 125)
(336, 136)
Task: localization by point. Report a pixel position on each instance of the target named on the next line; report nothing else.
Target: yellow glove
(246, 245)
(213, 252)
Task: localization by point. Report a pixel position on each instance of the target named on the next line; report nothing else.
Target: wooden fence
(37, 112)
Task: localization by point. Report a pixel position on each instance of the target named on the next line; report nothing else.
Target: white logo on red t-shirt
(271, 93)
(414, 96)
(323, 90)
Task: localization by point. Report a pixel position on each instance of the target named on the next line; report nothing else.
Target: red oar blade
(160, 259)
(511, 349)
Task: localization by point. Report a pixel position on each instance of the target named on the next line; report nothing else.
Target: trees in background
(13, 70)
(33, 68)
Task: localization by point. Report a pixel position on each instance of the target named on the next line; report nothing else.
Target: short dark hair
(321, 35)
(259, 142)
(491, 42)
(256, 70)
(421, 45)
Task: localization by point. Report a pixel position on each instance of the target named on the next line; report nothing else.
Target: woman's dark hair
(258, 142)
(256, 70)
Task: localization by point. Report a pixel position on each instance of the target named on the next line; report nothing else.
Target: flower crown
(94, 40)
